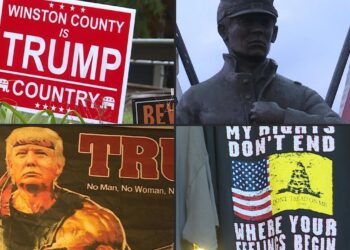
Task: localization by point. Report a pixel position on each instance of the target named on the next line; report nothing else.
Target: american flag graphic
(251, 190)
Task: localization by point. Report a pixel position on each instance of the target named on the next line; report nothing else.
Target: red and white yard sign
(65, 55)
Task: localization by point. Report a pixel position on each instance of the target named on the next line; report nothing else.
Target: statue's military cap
(232, 8)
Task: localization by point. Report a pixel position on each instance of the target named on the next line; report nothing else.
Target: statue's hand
(266, 113)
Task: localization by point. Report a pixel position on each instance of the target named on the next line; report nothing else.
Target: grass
(9, 115)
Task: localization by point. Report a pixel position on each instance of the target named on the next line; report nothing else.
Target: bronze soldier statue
(247, 90)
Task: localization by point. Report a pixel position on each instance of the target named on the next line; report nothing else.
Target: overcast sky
(311, 35)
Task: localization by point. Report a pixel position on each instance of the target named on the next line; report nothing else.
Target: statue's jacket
(228, 96)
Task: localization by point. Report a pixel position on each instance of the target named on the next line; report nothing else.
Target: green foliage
(9, 115)
(150, 16)
(128, 116)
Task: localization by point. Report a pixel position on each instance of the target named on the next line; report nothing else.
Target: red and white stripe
(252, 206)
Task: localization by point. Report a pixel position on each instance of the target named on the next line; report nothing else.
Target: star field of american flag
(250, 176)
(251, 190)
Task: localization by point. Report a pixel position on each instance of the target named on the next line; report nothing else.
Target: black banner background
(222, 173)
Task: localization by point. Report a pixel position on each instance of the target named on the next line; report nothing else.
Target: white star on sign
(51, 5)
(82, 10)
(45, 106)
(72, 8)
(61, 109)
(68, 110)
(61, 6)
(53, 107)
(37, 105)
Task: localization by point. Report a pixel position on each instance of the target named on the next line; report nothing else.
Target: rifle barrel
(185, 58)
(339, 70)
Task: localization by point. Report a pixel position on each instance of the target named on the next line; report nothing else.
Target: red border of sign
(132, 13)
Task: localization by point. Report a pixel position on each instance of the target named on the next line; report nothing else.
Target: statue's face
(250, 35)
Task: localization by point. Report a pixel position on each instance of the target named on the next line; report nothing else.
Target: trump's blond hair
(37, 136)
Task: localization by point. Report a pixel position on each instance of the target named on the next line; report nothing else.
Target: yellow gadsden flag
(301, 181)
